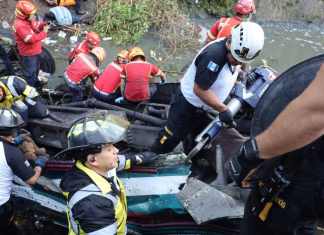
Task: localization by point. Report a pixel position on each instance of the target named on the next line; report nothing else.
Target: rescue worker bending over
(107, 87)
(91, 41)
(301, 202)
(207, 83)
(223, 27)
(96, 199)
(29, 34)
(138, 73)
(82, 67)
(12, 162)
(24, 99)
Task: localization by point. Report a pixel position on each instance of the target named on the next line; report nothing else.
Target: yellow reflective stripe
(128, 164)
(100, 181)
(9, 99)
(121, 210)
(30, 92)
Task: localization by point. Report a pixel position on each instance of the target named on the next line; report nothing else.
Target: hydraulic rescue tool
(244, 93)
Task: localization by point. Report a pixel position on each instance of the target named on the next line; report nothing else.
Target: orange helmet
(93, 39)
(244, 7)
(123, 54)
(136, 51)
(100, 53)
(24, 9)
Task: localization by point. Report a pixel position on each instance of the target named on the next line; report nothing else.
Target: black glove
(227, 118)
(144, 158)
(41, 161)
(244, 161)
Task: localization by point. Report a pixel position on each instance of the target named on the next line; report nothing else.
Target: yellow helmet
(100, 53)
(136, 51)
(123, 54)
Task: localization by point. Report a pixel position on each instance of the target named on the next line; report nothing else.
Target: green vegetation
(126, 21)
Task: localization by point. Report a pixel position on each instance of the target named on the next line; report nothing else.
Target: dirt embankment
(307, 10)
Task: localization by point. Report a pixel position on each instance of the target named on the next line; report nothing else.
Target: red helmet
(93, 39)
(24, 9)
(244, 7)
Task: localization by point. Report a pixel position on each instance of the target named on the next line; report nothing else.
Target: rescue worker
(107, 87)
(96, 199)
(91, 41)
(222, 27)
(82, 67)
(15, 93)
(300, 123)
(138, 73)
(12, 162)
(29, 34)
(207, 83)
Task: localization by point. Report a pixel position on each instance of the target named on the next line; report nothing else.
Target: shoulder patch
(212, 66)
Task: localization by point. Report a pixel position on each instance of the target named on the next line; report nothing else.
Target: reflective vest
(82, 66)
(224, 26)
(100, 187)
(109, 81)
(66, 2)
(137, 79)
(81, 48)
(9, 86)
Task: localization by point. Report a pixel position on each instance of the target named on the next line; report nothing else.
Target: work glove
(144, 158)
(41, 161)
(227, 118)
(244, 161)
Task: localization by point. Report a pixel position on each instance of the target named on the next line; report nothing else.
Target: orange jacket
(109, 81)
(137, 75)
(29, 36)
(82, 67)
(223, 27)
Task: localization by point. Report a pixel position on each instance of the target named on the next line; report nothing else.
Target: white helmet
(247, 41)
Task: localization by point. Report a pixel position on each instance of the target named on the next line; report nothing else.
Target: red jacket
(223, 27)
(29, 36)
(138, 74)
(82, 67)
(109, 81)
(82, 47)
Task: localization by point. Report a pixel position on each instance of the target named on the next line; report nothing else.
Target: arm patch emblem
(212, 66)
